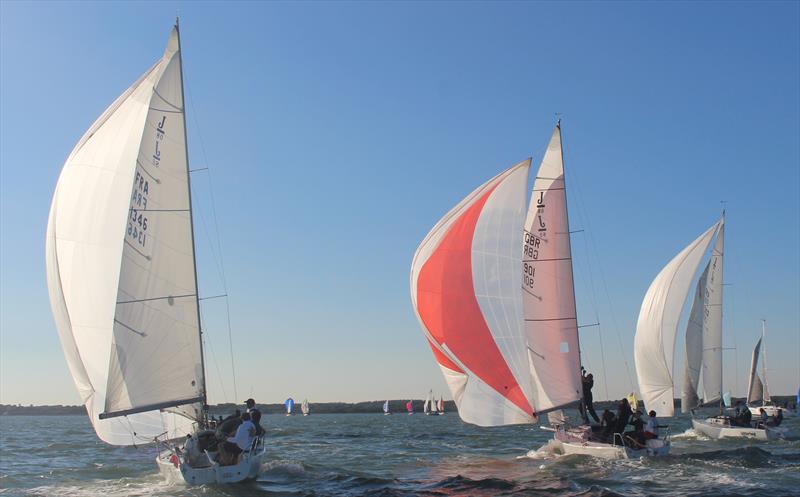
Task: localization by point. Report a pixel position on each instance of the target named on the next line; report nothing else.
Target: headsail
(120, 263)
(289, 405)
(755, 389)
(551, 327)
(694, 347)
(386, 406)
(465, 289)
(657, 326)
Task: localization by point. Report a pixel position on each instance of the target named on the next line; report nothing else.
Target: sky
(338, 133)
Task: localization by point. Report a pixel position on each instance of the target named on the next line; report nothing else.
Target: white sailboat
(426, 406)
(657, 328)
(122, 277)
(304, 408)
(440, 407)
(506, 340)
(758, 389)
(386, 411)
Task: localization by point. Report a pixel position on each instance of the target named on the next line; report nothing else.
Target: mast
(191, 224)
(765, 396)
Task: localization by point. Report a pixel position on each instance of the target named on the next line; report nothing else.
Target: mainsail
(121, 267)
(712, 322)
(755, 389)
(506, 342)
(657, 326)
(289, 405)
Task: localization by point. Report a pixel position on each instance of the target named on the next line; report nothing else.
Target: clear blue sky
(338, 133)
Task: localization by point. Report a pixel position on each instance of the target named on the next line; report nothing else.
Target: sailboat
(426, 406)
(758, 389)
(289, 405)
(410, 408)
(304, 408)
(386, 411)
(122, 279)
(440, 407)
(493, 290)
(657, 328)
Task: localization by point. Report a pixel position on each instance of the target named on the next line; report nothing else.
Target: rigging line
(216, 363)
(219, 241)
(605, 285)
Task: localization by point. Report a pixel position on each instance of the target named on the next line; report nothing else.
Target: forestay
(120, 263)
(657, 326)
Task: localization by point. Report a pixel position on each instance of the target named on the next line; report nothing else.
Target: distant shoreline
(368, 407)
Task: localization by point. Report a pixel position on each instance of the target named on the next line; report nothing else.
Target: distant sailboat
(289, 405)
(410, 407)
(493, 290)
(426, 407)
(758, 389)
(304, 408)
(122, 278)
(440, 406)
(386, 408)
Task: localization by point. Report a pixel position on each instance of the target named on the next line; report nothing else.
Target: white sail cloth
(712, 322)
(657, 326)
(755, 389)
(694, 347)
(504, 356)
(119, 232)
(551, 326)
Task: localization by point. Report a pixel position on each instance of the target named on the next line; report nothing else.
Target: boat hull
(718, 428)
(176, 471)
(576, 442)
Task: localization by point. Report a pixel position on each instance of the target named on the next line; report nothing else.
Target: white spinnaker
(712, 322)
(83, 252)
(495, 260)
(155, 355)
(694, 347)
(548, 293)
(755, 391)
(657, 326)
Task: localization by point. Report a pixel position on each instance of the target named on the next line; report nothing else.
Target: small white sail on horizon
(304, 408)
(386, 407)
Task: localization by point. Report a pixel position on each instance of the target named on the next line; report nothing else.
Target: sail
(441, 405)
(426, 406)
(304, 407)
(409, 406)
(755, 390)
(551, 327)
(764, 361)
(386, 406)
(657, 326)
(465, 289)
(289, 405)
(120, 263)
(694, 347)
(726, 399)
(712, 322)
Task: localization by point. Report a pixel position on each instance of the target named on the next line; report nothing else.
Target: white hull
(770, 410)
(575, 442)
(718, 428)
(247, 469)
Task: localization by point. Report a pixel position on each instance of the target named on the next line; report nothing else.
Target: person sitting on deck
(762, 422)
(636, 437)
(608, 422)
(777, 419)
(623, 416)
(230, 449)
(651, 429)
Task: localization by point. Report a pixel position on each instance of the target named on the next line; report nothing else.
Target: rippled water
(398, 455)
